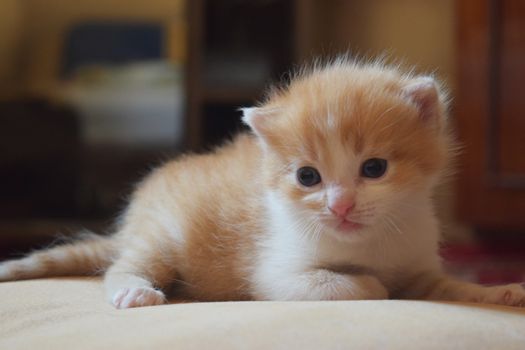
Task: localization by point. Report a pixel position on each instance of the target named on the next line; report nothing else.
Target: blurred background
(95, 93)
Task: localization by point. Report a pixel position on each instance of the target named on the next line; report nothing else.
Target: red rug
(486, 263)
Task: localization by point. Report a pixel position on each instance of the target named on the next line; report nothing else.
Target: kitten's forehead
(352, 116)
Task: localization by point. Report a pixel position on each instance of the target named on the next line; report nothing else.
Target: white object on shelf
(138, 105)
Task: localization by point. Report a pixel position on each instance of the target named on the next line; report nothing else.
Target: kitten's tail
(89, 256)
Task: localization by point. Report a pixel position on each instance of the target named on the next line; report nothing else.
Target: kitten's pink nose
(342, 208)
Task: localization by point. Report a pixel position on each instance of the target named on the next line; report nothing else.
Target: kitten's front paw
(327, 285)
(511, 295)
(137, 297)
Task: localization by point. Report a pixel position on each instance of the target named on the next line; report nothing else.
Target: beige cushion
(72, 313)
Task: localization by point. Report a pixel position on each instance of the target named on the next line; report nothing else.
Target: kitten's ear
(258, 119)
(424, 93)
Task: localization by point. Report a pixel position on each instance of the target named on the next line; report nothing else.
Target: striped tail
(89, 256)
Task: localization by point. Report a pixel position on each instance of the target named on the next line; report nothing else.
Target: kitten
(328, 199)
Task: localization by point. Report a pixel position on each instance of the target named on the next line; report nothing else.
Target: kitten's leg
(128, 289)
(323, 284)
(437, 286)
(137, 277)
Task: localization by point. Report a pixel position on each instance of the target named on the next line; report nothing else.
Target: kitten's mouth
(349, 226)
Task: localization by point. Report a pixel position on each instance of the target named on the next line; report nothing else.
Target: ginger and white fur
(235, 224)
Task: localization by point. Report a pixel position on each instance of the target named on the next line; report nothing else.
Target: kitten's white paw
(327, 285)
(136, 297)
(512, 295)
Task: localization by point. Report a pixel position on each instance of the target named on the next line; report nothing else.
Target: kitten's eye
(374, 168)
(308, 176)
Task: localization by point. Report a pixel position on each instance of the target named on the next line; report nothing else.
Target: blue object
(111, 43)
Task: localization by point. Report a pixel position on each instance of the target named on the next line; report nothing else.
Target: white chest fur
(293, 246)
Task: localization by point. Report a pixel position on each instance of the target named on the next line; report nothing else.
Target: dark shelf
(235, 49)
(230, 94)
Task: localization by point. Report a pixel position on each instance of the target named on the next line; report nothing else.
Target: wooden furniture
(235, 49)
(39, 165)
(491, 113)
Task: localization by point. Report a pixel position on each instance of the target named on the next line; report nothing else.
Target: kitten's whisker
(392, 224)
(182, 282)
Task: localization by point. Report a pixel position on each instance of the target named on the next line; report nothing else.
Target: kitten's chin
(349, 227)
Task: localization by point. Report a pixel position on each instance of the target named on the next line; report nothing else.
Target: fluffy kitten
(328, 199)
